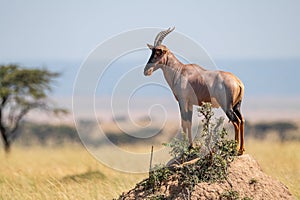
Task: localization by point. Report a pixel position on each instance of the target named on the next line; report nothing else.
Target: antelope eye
(158, 52)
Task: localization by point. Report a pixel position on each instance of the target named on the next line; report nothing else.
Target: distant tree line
(284, 130)
(46, 134)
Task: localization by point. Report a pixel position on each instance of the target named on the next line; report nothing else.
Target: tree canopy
(21, 90)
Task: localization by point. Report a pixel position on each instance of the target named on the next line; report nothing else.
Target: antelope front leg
(186, 121)
(186, 128)
(189, 124)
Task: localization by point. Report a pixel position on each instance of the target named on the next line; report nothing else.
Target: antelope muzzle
(148, 69)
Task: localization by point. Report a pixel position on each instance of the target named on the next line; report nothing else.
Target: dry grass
(61, 173)
(279, 160)
(70, 172)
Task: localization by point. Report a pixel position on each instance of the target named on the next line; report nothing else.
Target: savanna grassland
(70, 172)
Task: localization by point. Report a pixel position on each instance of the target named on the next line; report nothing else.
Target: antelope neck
(172, 69)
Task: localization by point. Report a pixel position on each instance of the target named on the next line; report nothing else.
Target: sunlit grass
(70, 172)
(61, 173)
(279, 160)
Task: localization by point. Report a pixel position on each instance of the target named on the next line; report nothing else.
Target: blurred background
(256, 40)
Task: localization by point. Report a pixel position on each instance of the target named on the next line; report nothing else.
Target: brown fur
(192, 85)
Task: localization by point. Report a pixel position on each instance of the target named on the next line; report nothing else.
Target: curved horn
(161, 35)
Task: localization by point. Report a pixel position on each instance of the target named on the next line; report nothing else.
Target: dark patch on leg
(237, 106)
(237, 110)
(235, 122)
(232, 116)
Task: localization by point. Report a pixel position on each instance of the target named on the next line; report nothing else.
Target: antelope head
(159, 54)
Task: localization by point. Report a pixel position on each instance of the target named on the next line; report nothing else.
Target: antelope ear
(150, 46)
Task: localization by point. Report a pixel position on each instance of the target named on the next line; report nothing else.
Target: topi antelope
(192, 85)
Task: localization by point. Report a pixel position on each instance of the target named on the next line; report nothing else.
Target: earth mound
(245, 180)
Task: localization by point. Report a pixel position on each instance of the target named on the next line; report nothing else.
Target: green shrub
(156, 177)
(213, 152)
(230, 195)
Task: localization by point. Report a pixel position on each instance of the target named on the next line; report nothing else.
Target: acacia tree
(22, 90)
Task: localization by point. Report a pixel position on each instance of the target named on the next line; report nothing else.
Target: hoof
(241, 152)
(191, 147)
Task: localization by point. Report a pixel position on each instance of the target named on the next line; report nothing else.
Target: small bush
(230, 195)
(157, 175)
(253, 181)
(213, 152)
(246, 198)
(158, 197)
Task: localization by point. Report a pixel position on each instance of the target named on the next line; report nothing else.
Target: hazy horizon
(257, 41)
(266, 101)
(267, 78)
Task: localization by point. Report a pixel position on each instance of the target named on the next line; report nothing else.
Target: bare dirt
(245, 181)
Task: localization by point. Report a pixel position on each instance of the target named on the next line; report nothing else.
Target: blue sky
(69, 30)
(256, 40)
(61, 34)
